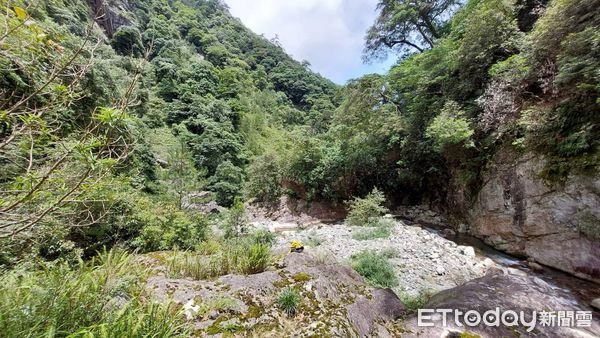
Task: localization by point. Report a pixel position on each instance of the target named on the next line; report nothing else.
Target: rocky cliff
(553, 224)
(110, 15)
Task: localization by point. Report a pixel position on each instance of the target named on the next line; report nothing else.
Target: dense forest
(113, 113)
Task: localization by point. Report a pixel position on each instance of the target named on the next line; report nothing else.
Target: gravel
(423, 260)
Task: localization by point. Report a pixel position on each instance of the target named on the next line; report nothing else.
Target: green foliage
(589, 225)
(414, 303)
(127, 41)
(408, 26)
(263, 236)
(489, 33)
(375, 268)
(288, 301)
(382, 228)
(235, 220)
(227, 182)
(60, 301)
(164, 227)
(264, 179)
(240, 255)
(255, 259)
(450, 128)
(366, 211)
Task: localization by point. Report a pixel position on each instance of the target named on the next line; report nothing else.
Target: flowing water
(583, 291)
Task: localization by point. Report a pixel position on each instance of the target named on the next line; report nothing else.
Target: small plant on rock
(413, 303)
(289, 301)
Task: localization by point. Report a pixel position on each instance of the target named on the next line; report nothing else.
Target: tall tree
(406, 26)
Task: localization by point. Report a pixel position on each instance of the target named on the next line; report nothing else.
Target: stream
(583, 291)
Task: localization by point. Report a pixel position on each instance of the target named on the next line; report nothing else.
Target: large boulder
(505, 291)
(519, 213)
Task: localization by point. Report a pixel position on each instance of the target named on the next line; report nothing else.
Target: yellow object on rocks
(296, 246)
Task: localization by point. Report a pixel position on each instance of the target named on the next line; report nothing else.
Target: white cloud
(327, 33)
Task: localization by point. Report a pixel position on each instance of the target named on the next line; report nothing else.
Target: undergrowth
(56, 300)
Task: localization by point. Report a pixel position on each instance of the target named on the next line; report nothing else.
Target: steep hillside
(85, 86)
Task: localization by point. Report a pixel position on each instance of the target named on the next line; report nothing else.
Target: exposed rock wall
(517, 212)
(110, 14)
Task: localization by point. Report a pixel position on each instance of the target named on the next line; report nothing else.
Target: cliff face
(517, 212)
(110, 15)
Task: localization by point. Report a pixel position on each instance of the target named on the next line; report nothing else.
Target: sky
(327, 33)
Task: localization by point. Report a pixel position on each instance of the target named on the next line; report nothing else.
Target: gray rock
(516, 272)
(505, 292)
(541, 282)
(468, 251)
(535, 266)
(412, 259)
(449, 233)
(520, 213)
(596, 303)
(365, 312)
(114, 304)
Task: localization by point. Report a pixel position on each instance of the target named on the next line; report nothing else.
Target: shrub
(166, 227)
(227, 182)
(58, 301)
(365, 211)
(375, 268)
(263, 236)
(288, 301)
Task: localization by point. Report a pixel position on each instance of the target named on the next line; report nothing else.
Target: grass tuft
(289, 301)
(375, 268)
(57, 300)
(240, 255)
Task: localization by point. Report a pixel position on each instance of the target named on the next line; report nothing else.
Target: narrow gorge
(368, 168)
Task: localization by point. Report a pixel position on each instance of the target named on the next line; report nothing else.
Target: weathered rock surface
(507, 292)
(202, 201)
(423, 261)
(335, 302)
(110, 15)
(518, 213)
(292, 213)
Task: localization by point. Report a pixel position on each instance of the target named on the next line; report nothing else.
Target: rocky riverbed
(424, 261)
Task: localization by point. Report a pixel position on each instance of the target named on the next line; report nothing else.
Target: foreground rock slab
(335, 301)
(506, 291)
